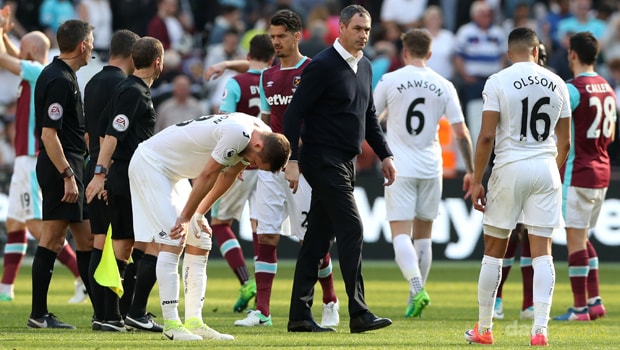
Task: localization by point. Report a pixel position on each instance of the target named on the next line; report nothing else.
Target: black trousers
(333, 213)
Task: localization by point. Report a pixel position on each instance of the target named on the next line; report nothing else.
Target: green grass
(452, 287)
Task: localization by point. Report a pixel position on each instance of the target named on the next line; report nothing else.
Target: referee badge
(120, 123)
(54, 111)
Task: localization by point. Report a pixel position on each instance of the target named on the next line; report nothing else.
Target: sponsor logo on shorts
(120, 123)
(169, 302)
(162, 234)
(54, 111)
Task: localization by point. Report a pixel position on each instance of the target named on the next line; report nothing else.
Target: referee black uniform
(97, 96)
(58, 105)
(132, 120)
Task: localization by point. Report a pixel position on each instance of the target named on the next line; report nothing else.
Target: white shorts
(230, 205)
(408, 198)
(156, 201)
(275, 202)
(532, 186)
(24, 193)
(582, 206)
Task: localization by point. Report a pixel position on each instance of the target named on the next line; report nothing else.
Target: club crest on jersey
(120, 123)
(230, 153)
(54, 111)
(296, 81)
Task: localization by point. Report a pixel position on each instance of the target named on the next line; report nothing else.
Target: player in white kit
(526, 114)
(416, 97)
(211, 150)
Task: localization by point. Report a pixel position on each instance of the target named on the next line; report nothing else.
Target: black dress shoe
(307, 326)
(367, 321)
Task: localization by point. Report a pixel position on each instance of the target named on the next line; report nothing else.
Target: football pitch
(452, 287)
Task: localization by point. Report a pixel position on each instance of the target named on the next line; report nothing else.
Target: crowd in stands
(469, 38)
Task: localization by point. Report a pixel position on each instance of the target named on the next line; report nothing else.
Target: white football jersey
(182, 150)
(530, 100)
(416, 98)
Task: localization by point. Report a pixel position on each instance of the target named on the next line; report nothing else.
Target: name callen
(534, 80)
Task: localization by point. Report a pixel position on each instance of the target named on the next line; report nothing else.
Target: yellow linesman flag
(107, 273)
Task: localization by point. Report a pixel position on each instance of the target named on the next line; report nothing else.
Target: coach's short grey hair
(348, 12)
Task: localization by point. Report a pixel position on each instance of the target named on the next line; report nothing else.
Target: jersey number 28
(607, 107)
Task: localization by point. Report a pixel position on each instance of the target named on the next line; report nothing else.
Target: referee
(97, 95)
(60, 164)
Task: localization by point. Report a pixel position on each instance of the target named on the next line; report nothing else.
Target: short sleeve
(490, 96)
(264, 105)
(231, 97)
(453, 112)
(31, 71)
(57, 97)
(123, 112)
(233, 140)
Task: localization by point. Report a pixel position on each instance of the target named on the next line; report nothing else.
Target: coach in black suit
(334, 103)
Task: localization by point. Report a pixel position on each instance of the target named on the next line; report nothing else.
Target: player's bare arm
(216, 70)
(484, 147)
(463, 139)
(562, 131)
(200, 187)
(223, 182)
(54, 150)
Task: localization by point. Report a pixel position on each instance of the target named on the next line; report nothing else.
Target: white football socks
(407, 260)
(195, 284)
(167, 269)
(488, 281)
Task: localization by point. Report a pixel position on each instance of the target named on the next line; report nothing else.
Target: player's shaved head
(522, 40)
(35, 45)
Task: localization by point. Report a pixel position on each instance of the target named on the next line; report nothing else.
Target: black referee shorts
(53, 188)
(119, 201)
(97, 209)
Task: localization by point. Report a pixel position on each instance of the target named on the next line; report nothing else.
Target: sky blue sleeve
(264, 105)
(575, 96)
(31, 71)
(232, 95)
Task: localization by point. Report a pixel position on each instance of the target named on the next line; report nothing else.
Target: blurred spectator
(582, 21)
(480, 51)
(521, 17)
(333, 20)
(448, 12)
(442, 46)
(229, 49)
(134, 15)
(316, 30)
(384, 60)
(180, 106)
(229, 18)
(171, 27)
(558, 59)
(406, 13)
(99, 14)
(558, 10)
(610, 43)
(26, 15)
(54, 12)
